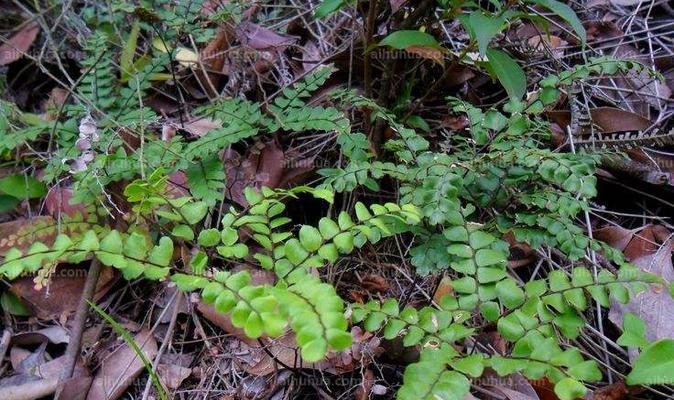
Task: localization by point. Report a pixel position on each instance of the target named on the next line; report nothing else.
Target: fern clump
(456, 205)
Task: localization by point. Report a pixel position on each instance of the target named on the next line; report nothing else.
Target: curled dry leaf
(33, 365)
(119, 370)
(54, 334)
(260, 38)
(607, 119)
(623, 3)
(262, 387)
(512, 387)
(173, 375)
(444, 288)
(19, 43)
(374, 283)
(75, 388)
(57, 202)
(201, 126)
(521, 254)
(545, 44)
(213, 56)
(311, 56)
(266, 165)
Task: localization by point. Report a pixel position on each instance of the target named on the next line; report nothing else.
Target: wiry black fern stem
(367, 41)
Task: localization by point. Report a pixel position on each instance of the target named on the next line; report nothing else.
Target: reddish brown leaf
(428, 53)
(63, 292)
(616, 391)
(444, 288)
(265, 166)
(18, 44)
(365, 387)
(608, 119)
(259, 38)
(375, 283)
(57, 202)
(201, 126)
(616, 236)
(544, 389)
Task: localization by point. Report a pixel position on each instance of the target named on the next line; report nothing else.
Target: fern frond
(218, 139)
(628, 140)
(99, 81)
(207, 179)
(292, 97)
(313, 118)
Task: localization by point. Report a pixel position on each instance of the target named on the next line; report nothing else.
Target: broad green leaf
(8, 203)
(586, 371)
(328, 7)
(486, 257)
(404, 39)
(328, 228)
(508, 72)
(129, 51)
(567, 14)
(338, 339)
(510, 328)
(22, 187)
(344, 242)
(13, 305)
(464, 285)
(471, 365)
(314, 350)
(480, 239)
(490, 274)
(112, 242)
(482, 28)
(294, 251)
(225, 302)
(509, 293)
(490, 311)
(229, 236)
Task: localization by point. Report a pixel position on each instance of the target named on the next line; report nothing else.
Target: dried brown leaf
(19, 43)
(651, 251)
(119, 370)
(64, 290)
(260, 38)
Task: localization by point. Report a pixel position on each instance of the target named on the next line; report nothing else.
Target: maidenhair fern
(456, 207)
(501, 168)
(297, 300)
